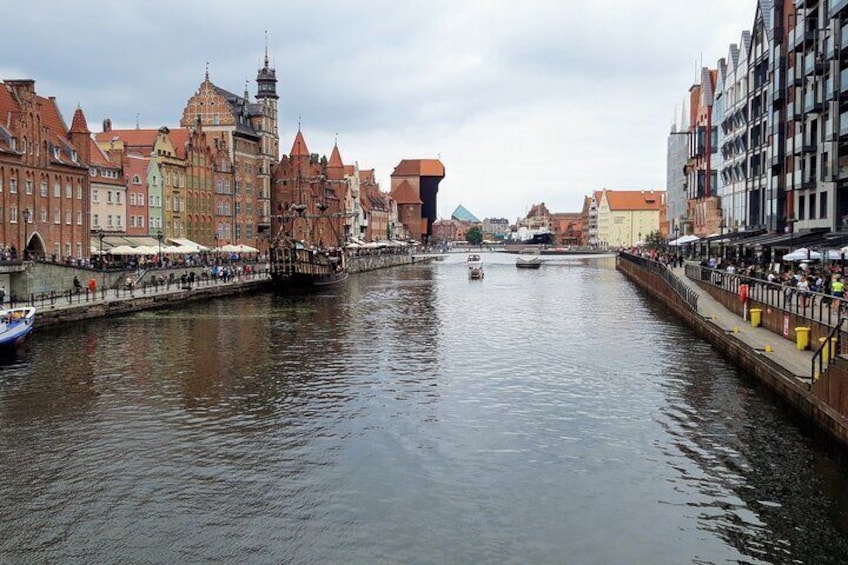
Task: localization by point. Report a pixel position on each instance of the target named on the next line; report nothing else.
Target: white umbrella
(684, 239)
(121, 250)
(242, 248)
(801, 254)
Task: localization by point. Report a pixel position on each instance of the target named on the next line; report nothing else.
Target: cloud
(524, 102)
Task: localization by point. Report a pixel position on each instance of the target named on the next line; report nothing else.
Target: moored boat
(297, 267)
(15, 325)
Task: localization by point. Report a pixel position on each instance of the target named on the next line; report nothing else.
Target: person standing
(837, 289)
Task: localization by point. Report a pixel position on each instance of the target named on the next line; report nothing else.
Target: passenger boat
(15, 325)
(528, 260)
(475, 266)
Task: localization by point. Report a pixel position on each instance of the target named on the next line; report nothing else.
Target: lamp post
(676, 230)
(721, 228)
(100, 236)
(27, 218)
(159, 239)
(639, 241)
(216, 248)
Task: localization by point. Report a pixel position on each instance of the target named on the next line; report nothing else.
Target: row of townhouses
(760, 147)
(211, 179)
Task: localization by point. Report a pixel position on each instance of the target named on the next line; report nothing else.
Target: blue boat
(15, 325)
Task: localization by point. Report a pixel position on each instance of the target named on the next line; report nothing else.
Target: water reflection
(412, 415)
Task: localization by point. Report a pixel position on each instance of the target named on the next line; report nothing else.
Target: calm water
(550, 416)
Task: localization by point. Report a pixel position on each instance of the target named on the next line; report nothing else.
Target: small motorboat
(529, 260)
(475, 266)
(15, 325)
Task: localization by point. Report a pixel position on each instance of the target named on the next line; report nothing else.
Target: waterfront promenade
(765, 342)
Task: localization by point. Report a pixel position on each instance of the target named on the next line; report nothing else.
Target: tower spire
(207, 70)
(266, 48)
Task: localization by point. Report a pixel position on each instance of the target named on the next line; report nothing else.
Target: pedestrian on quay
(77, 285)
(837, 289)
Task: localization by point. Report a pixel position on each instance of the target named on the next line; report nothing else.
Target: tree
(474, 235)
(654, 240)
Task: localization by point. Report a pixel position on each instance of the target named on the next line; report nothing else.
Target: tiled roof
(635, 200)
(405, 194)
(349, 169)
(179, 138)
(145, 138)
(299, 146)
(419, 167)
(335, 158)
(78, 123)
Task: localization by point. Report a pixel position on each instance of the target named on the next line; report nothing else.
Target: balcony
(843, 124)
(795, 76)
(812, 103)
(809, 182)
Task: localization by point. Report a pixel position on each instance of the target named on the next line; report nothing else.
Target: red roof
(419, 167)
(299, 146)
(179, 138)
(405, 194)
(335, 158)
(130, 137)
(635, 200)
(78, 123)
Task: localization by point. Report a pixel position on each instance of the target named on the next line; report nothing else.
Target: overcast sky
(524, 102)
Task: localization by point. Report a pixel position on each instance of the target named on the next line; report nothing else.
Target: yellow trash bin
(802, 338)
(756, 316)
(825, 349)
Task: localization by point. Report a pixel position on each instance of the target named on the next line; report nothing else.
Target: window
(68, 217)
(136, 179)
(109, 220)
(13, 186)
(57, 190)
(117, 197)
(42, 215)
(29, 186)
(812, 206)
(43, 189)
(802, 208)
(96, 221)
(109, 196)
(95, 196)
(69, 191)
(79, 218)
(79, 192)
(132, 221)
(119, 221)
(823, 206)
(13, 214)
(141, 221)
(67, 250)
(56, 250)
(57, 216)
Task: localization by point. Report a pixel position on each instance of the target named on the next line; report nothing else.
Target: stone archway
(35, 248)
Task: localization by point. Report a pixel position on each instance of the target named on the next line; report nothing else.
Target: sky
(523, 102)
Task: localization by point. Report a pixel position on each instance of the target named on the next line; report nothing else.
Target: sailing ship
(298, 265)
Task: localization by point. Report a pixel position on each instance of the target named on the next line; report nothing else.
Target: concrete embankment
(62, 307)
(778, 370)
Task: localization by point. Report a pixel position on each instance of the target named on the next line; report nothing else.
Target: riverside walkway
(777, 348)
(69, 306)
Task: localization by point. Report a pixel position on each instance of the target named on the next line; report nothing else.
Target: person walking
(837, 289)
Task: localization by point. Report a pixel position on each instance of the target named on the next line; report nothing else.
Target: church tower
(266, 96)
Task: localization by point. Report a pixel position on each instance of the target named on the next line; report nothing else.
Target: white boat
(475, 266)
(528, 260)
(15, 325)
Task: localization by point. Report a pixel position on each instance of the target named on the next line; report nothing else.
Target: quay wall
(362, 263)
(776, 378)
(50, 316)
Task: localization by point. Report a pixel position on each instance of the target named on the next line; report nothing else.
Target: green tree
(654, 240)
(474, 235)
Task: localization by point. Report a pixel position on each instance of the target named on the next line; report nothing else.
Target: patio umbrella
(121, 250)
(801, 254)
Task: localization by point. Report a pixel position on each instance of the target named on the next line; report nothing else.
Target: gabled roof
(463, 215)
(405, 194)
(98, 157)
(179, 138)
(349, 169)
(419, 167)
(145, 138)
(635, 200)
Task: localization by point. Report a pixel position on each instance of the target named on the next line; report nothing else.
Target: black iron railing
(680, 288)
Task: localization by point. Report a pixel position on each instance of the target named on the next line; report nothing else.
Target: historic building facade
(43, 175)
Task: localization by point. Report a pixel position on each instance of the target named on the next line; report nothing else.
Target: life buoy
(743, 292)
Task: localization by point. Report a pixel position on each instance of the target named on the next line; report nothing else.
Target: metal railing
(149, 287)
(680, 288)
(832, 345)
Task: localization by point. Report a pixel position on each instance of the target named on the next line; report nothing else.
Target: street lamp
(721, 227)
(159, 239)
(100, 236)
(217, 250)
(27, 218)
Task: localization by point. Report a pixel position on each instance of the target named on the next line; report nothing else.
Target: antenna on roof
(336, 143)
(266, 48)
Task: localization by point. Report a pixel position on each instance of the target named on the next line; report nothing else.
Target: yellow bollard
(756, 316)
(768, 348)
(826, 349)
(736, 329)
(802, 338)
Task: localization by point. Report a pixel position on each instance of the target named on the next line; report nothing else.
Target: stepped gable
(404, 193)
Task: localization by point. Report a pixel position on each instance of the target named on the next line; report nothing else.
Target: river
(413, 416)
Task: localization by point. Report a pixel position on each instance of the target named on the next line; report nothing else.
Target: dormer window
(136, 179)
(55, 152)
(75, 156)
(92, 172)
